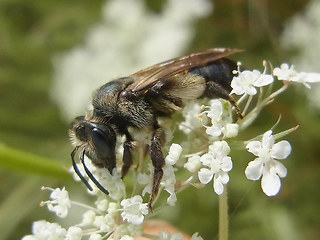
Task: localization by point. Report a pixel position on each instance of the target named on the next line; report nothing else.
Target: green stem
(17, 160)
(223, 215)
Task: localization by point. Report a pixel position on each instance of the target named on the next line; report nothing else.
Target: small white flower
(285, 72)
(126, 237)
(193, 164)
(134, 210)
(112, 182)
(43, 230)
(288, 73)
(231, 130)
(220, 121)
(59, 203)
(214, 112)
(74, 233)
(191, 120)
(95, 236)
(169, 236)
(218, 163)
(174, 154)
(102, 204)
(196, 236)
(105, 223)
(246, 82)
(130, 230)
(88, 217)
(266, 165)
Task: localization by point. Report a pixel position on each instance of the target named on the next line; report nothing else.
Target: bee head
(94, 139)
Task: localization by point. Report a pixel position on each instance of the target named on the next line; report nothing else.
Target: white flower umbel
(218, 164)
(247, 81)
(288, 73)
(266, 166)
(134, 210)
(59, 203)
(43, 230)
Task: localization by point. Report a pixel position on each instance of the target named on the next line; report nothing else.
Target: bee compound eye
(102, 143)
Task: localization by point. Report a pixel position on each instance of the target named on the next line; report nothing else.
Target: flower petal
(263, 80)
(267, 140)
(270, 184)
(220, 178)
(254, 169)
(237, 86)
(254, 147)
(206, 159)
(215, 130)
(281, 150)
(279, 168)
(226, 165)
(251, 90)
(205, 175)
(218, 187)
(215, 110)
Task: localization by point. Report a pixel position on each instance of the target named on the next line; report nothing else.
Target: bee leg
(127, 155)
(157, 162)
(214, 90)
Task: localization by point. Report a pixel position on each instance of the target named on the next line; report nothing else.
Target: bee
(137, 101)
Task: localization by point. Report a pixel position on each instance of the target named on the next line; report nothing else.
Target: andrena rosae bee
(138, 100)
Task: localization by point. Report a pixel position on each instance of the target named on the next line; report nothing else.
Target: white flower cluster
(59, 202)
(118, 217)
(98, 222)
(214, 164)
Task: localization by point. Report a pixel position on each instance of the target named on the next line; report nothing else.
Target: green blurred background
(32, 129)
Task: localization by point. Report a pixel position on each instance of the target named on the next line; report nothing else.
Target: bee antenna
(93, 179)
(76, 169)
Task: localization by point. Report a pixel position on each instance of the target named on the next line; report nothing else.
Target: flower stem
(223, 215)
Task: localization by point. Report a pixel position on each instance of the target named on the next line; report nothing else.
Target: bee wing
(145, 79)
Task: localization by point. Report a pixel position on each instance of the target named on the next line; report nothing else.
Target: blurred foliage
(33, 31)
